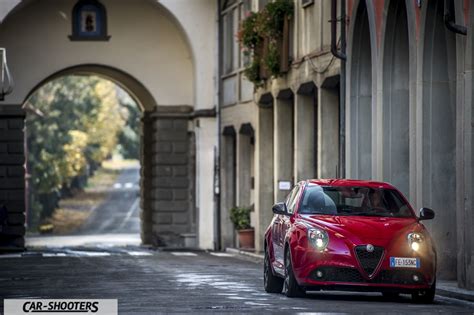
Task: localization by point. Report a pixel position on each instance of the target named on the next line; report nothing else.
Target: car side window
(293, 199)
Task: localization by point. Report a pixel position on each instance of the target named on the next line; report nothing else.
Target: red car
(349, 235)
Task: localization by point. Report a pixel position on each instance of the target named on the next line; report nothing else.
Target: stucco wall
(152, 48)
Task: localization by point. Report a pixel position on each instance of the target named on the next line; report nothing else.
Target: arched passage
(151, 59)
(147, 105)
(439, 133)
(396, 98)
(361, 96)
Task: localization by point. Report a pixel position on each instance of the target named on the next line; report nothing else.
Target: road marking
(183, 254)
(54, 255)
(129, 214)
(87, 254)
(222, 254)
(10, 256)
(139, 253)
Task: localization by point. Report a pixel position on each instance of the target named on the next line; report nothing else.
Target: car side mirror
(280, 208)
(426, 214)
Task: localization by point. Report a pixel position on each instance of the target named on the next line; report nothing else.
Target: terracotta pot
(246, 238)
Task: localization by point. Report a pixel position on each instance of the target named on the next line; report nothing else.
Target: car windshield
(353, 201)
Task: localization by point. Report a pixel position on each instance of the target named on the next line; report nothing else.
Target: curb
(455, 295)
(254, 256)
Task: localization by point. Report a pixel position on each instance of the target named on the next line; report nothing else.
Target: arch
(156, 50)
(396, 96)
(362, 48)
(130, 84)
(438, 131)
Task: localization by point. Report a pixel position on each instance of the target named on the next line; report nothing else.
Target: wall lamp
(6, 83)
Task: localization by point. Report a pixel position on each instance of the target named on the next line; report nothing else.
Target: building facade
(156, 52)
(406, 119)
(405, 115)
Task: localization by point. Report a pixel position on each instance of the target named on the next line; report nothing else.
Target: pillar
(263, 171)
(305, 133)
(283, 140)
(328, 131)
(12, 174)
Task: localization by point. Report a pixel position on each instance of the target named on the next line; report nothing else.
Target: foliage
(258, 27)
(240, 217)
(72, 126)
(129, 137)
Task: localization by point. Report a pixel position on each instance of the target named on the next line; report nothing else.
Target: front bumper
(341, 269)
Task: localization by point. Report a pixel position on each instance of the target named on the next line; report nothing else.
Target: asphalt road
(119, 213)
(146, 281)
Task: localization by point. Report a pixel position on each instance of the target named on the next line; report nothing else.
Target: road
(116, 221)
(146, 281)
(119, 213)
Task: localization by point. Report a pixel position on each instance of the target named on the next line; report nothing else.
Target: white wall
(145, 43)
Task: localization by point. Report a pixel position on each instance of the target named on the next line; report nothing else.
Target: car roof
(350, 183)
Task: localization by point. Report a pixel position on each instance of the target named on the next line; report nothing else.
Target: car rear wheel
(291, 288)
(424, 296)
(271, 283)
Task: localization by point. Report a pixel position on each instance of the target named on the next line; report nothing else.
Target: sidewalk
(443, 288)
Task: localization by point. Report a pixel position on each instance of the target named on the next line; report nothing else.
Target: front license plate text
(404, 262)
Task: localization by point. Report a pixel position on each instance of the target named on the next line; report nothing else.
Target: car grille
(398, 277)
(336, 274)
(369, 260)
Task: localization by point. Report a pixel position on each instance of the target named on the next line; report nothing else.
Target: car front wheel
(291, 288)
(425, 296)
(271, 283)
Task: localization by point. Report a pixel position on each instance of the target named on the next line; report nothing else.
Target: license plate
(403, 262)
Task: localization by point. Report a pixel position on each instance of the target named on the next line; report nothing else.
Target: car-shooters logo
(98, 307)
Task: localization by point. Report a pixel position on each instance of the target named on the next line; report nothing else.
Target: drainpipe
(218, 84)
(342, 82)
(449, 19)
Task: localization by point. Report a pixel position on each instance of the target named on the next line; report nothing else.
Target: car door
(291, 206)
(279, 230)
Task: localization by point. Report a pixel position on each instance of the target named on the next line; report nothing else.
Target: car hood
(364, 229)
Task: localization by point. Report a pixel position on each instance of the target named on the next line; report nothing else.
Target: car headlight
(318, 238)
(415, 240)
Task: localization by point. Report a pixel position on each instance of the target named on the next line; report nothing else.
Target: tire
(291, 288)
(271, 283)
(390, 295)
(425, 296)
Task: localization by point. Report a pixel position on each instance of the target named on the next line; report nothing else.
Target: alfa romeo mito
(349, 235)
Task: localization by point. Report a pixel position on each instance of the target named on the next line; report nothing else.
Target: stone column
(172, 191)
(146, 159)
(328, 132)
(305, 133)
(283, 140)
(244, 180)
(228, 188)
(12, 174)
(263, 172)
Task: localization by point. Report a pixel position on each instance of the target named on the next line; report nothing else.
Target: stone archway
(161, 78)
(439, 133)
(396, 98)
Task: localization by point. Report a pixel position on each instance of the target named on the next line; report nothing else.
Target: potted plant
(240, 217)
(264, 36)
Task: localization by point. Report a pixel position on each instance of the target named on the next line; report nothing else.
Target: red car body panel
(345, 233)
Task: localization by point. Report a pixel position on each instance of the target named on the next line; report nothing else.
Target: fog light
(416, 278)
(415, 246)
(319, 274)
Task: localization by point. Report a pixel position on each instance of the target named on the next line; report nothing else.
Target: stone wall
(12, 178)
(172, 171)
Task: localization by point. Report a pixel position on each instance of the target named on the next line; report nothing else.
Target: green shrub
(240, 217)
